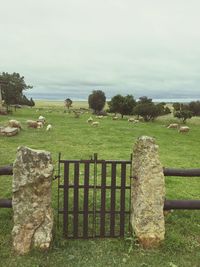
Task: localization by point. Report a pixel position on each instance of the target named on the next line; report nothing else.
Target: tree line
(127, 105)
(13, 85)
(144, 107)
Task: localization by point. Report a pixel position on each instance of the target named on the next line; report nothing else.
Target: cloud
(72, 47)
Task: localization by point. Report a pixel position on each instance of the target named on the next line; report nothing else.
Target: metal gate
(94, 197)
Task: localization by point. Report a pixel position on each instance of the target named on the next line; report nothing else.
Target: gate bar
(112, 203)
(66, 198)
(85, 201)
(76, 204)
(122, 199)
(103, 199)
(94, 194)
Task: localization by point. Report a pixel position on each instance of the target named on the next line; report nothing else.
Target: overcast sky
(68, 48)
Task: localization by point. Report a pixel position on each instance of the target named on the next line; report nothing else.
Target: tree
(176, 106)
(183, 115)
(144, 100)
(97, 100)
(12, 90)
(68, 103)
(194, 107)
(122, 104)
(147, 109)
(32, 103)
(163, 109)
(180, 106)
(167, 110)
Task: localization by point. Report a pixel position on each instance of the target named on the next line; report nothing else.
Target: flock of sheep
(181, 129)
(91, 121)
(39, 123)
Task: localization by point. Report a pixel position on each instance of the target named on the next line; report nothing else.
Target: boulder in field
(8, 131)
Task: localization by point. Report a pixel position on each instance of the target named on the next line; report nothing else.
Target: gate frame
(125, 166)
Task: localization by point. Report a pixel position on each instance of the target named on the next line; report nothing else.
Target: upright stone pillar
(33, 216)
(148, 193)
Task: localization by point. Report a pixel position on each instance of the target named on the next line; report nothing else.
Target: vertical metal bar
(66, 199)
(112, 202)
(103, 199)
(0, 97)
(75, 210)
(122, 198)
(131, 174)
(94, 195)
(58, 200)
(85, 205)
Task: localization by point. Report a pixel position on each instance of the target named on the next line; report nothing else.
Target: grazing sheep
(99, 117)
(32, 124)
(173, 126)
(49, 127)
(115, 118)
(14, 124)
(41, 119)
(95, 123)
(131, 120)
(184, 129)
(90, 120)
(40, 124)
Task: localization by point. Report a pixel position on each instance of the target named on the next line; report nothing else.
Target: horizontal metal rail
(91, 212)
(5, 203)
(6, 170)
(92, 186)
(166, 171)
(182, 204)
(95, 161)
(181, 172)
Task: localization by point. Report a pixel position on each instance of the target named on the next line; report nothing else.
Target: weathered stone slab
(9, 131)
(148, 193)
(33, 216)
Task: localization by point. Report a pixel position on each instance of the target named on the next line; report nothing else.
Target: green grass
(75, 139)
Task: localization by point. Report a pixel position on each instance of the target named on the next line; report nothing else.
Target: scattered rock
(9, 131)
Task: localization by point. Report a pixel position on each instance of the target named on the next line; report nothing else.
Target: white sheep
(14, 124)
(95, 123)
(99, 117)
(90, 120)
(33, 124)
(41, 119)
(40, 124)
(49, 127)
(133, 120)
(115, 118)
(184, 129)
(173, 126)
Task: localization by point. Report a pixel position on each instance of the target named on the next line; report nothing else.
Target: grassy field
(75, 139)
